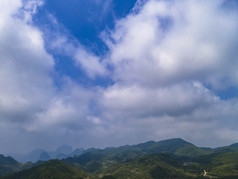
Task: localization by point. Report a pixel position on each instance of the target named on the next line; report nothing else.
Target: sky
(100, 73)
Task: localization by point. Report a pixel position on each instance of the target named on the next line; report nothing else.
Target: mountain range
(173, 158)
(61, 152)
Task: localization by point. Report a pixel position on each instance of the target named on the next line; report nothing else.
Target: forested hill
(173, 158)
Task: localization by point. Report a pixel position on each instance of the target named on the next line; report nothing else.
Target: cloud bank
(166, 59)
(169, 58)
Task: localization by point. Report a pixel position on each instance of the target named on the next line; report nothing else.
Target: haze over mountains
(173, 158)
(61, 152)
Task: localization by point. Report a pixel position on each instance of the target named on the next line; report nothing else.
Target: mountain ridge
(172, 158)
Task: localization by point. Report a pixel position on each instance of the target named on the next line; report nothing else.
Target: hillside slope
(8, 165)
(150, 167)
(52, 169)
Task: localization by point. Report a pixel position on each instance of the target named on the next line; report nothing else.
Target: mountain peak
(64, 149)
(175, 141)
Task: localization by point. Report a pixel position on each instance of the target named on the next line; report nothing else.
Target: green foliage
(95, 159)
(150, 166)
(8, 165)
(53, 169)
(225, 164)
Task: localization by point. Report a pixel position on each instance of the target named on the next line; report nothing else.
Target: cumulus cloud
(165, 58)
(30, 102)
(25, 67)
(164, 55)
(174, 100)
(68, 109)
(169, 41)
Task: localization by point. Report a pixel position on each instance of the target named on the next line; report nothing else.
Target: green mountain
(176, 146)
(151, 166)
(230, 148)
(173, 158)
(52, 169)
(8, 165)
(95, 159)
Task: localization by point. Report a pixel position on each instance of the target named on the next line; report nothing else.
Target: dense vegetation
(8, 165)
(173, 158)
(53, 169)
(95, 159)
(150, 166)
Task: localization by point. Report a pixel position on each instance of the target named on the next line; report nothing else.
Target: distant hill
(230, 148)
(175, 146)
(64, 152)
(33, 156)
(61, 152)
(64, 149)
(44, 156)
(52, 169)
(76, 152)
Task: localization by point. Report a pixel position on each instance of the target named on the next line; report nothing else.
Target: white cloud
(163, 56)
(25, 68)
(30, 8)
(69, 109)
(174, 100)
(31, 106)
(168, 41)
(91, 63)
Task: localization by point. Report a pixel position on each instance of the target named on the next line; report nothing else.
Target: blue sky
(98, 73)
(84, 21)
